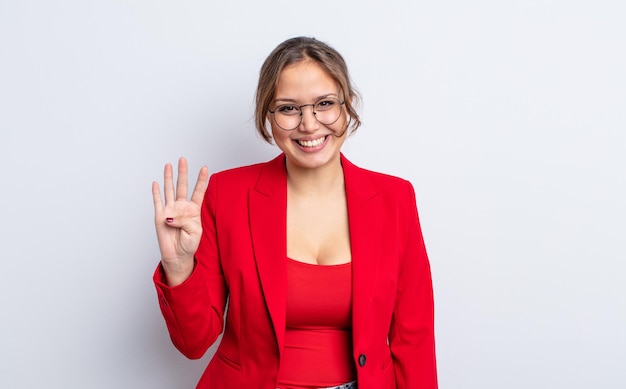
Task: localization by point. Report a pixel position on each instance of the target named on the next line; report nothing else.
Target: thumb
(174, 222)
(185, 224)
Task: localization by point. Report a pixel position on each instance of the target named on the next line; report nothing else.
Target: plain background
(507, 116)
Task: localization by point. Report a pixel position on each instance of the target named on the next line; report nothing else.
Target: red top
(318, 337)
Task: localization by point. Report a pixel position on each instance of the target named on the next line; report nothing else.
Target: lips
(312, 143)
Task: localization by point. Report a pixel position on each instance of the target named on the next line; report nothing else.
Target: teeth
(311, 143)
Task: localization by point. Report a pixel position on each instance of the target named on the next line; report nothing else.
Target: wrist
(178, 271)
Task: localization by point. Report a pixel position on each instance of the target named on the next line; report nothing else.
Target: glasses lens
(287, 116)
(327, 111)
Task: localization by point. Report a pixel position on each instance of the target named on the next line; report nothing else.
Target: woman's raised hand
(178, 224)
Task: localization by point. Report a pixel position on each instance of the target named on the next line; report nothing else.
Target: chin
(313, 161)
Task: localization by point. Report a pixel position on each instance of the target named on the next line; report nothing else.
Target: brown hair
(295, 50)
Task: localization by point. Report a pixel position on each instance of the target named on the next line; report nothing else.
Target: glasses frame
(312, 105)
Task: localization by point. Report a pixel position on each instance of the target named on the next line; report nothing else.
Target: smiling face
(312, 145)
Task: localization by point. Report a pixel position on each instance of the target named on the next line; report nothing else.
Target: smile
(312, 143)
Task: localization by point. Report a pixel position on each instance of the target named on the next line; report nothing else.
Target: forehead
(305, 80)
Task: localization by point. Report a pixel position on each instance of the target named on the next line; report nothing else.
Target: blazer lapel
(365, 235)
(268, 225)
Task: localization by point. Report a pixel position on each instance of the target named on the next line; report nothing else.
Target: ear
(269, 128)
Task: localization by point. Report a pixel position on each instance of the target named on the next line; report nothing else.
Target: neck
(323, 180)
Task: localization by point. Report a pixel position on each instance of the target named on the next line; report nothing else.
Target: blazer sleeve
(411, 337)
(194, 310)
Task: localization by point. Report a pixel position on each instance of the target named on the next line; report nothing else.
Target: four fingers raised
(181, 191)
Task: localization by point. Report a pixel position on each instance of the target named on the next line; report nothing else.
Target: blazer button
(362, 360)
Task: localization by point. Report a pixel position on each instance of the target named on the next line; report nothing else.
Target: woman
(322, 263)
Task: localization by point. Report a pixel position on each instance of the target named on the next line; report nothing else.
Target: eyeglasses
(289, 116)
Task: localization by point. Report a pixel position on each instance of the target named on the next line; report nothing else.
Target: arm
(191, 291)
(411, 337)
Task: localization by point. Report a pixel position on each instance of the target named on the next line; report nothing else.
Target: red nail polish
(169, 219)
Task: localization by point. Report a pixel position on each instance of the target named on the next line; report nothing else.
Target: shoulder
(245, 175)
(383, 179)
(365, 180)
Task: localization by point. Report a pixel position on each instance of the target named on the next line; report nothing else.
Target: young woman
(322, 263)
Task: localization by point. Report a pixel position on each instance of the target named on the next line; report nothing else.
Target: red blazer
(241, 259)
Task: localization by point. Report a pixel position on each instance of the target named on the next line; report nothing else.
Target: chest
(318, 231)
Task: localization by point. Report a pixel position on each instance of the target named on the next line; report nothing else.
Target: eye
(324, 105)
(288, 109)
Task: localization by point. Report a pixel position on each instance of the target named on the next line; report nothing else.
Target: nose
(309, 122)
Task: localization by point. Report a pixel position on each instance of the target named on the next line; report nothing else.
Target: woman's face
(311, 145)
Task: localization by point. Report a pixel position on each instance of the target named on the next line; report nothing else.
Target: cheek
(343, 121)
(280, 137)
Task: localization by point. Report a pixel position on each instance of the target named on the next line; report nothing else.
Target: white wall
(508, 116)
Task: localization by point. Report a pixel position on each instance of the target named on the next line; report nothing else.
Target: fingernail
(169, 219)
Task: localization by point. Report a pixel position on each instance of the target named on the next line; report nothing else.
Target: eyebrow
(288, 100)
